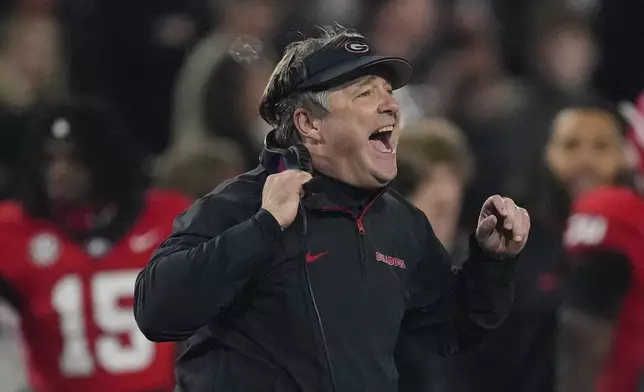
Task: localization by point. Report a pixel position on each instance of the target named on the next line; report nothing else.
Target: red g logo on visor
(356, 47)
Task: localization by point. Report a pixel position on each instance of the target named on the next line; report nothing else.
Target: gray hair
(292, 62)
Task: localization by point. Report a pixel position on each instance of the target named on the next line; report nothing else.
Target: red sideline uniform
(613, 219)
(77, 320)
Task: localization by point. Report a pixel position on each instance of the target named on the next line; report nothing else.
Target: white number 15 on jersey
(107, 288)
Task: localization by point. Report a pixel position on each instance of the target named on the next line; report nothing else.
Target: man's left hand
(503, 227)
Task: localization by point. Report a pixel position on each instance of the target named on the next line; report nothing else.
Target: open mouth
(381, 139)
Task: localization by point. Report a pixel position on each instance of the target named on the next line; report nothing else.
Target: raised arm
(450, 310)
(216, 247)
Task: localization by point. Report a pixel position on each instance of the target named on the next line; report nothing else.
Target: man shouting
(289, 279)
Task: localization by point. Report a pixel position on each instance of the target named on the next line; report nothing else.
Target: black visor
(335, 64)
(353, 58)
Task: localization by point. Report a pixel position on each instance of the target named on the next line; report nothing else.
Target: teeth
(388, 128)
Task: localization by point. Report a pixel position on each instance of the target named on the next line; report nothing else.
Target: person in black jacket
(281, 280)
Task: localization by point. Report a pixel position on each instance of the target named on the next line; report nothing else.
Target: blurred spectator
(465, 62)
(584, 151)
(219, 87)
(256, 18)
(210, 111)
(565, 54)
(197, 171)
(73, 242)
(31, 63)
(601, 335)
(403, 28)
(563, 59)
(438, 188)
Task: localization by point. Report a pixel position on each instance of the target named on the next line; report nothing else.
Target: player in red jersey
(602, 328)
(72, 247)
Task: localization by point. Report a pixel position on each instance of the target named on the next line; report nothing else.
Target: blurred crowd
(510, 97)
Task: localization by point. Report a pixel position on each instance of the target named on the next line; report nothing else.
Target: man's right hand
(282, 193)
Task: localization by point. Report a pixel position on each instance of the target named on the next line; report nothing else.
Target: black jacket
(235, 284)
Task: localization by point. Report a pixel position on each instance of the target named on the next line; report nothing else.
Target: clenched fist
(503, 227)
(282, 193)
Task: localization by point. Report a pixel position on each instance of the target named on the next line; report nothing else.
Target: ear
(307, 125)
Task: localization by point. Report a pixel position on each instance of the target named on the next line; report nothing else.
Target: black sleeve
(598, 281)
(452, 311)
(197, 272)
(8, 293)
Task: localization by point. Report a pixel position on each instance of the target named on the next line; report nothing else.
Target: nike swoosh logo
(311, 258)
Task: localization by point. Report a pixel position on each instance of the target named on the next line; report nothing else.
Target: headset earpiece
(276, 159)
(298, 157)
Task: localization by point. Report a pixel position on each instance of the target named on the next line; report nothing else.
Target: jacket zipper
(363, 265)
(360, 227)
(361, 230)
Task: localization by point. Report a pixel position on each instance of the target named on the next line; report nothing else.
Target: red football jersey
(76, 301)
(613, 218)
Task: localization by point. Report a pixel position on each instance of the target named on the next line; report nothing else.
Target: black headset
(276, 159)
(296, 157)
